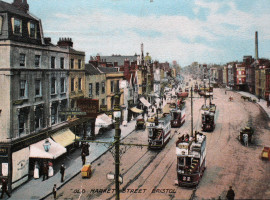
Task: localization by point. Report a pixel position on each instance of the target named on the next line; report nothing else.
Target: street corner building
(38, 80)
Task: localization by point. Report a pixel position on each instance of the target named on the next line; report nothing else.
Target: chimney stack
(22, 5)
(256, 46)
(65, 42)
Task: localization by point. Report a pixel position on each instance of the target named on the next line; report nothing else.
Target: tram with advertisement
(159, 130)
(178, 113)
(208, 117)
(191, 159)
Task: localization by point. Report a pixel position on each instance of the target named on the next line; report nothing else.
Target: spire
(142, 56)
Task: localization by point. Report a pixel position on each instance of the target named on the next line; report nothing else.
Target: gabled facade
(95, 84)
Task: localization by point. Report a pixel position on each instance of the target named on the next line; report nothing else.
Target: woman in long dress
(50, 169)
(36, 170)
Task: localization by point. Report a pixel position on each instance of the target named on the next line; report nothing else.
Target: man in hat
(4, 188)
(62, 172)
(230, 194)
(54, 191)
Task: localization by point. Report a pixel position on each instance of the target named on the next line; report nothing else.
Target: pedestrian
(259, 98)
(225, 91)
(50, 169)
(45, 171)
(54, 191)
(83, 158)
(245, 139)
(230, 194)
(36, 170)
(4, 188)
(62, 172)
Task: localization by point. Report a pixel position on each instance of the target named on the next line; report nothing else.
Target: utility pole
(191, 111)
(209, 87)
(116, 141)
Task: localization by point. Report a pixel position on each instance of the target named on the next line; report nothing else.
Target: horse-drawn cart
(246, 131)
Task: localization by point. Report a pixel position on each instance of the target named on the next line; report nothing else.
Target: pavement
(38, 189)
(262, 102)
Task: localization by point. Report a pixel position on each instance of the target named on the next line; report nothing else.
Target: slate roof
(107, 69)
(6, 7)
(91, 69)
(117, 58)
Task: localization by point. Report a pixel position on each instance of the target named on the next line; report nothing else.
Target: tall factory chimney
(256, 46)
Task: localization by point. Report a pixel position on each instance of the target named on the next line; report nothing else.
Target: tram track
(147, 165)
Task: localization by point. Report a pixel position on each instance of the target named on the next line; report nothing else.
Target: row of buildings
(251, 75)
(40, 81)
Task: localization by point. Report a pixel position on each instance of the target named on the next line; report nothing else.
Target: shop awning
(37, 150)
(103, 120)
(166, 108)
(64, 137)
(136, 110)
(145, 102)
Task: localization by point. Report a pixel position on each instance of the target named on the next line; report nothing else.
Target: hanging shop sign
(90, 106)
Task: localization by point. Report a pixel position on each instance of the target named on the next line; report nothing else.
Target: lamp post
(117, 115)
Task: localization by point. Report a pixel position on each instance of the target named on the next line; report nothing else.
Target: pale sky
(207, 31)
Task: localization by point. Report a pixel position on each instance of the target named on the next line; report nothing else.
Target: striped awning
(136, 110)
(65, 137)
(145, 102)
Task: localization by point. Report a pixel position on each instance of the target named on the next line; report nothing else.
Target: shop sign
(5, 169)
(3, 151)
(90, 106)
(71, 112)
(103, 108)
(18, 102)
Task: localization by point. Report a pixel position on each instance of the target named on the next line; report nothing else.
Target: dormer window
(32, 29)
(17, 26)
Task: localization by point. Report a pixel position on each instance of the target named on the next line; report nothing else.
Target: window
(79, 84)
(53, 86)
(37, 87)
(32, 30)
(38, 117)
(63, 106)
(79, 64)
(37, 60)
(22, 122)
(112, 86)
(52, 62)
(72, 104)
(72, 63)
(103, 101)
(62, 63)
(117, 86)
(1, 24)
(72, 84)
(23, 89)
(97, 88)
(62, 85)
(22, 60)
(53, 113)
(17, 29)
(103, 87)
(90, 90)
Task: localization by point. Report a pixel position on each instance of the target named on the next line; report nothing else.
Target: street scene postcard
(134, 99)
